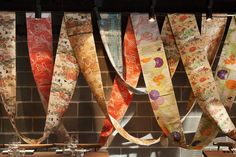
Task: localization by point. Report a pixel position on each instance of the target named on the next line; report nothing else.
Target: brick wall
(84, 116)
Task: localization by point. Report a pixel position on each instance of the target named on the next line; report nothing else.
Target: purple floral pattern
(157, 76)
(198, 70)
(224, 77)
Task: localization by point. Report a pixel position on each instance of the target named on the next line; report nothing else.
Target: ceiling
(164, 6)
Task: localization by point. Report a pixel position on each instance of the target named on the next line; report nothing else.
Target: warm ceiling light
(152, 16)
(208, 19)
(209, 10)
(152, 19)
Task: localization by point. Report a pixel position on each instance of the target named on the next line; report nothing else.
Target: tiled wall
(84, 116)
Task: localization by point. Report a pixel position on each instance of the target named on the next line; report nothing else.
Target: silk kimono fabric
(130, 46)
(8, 63)
(225, 80)
(149, 25)
(8, 68)
(110, 31)
(157, 76)
(120, 98)
(212, 32)
(39, 37)
(198, 69)
(171, 50)
(76, 51)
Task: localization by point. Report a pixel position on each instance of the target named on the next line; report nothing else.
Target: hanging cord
(97, 3)
(152, 16)
(38, 9)
(209, 10)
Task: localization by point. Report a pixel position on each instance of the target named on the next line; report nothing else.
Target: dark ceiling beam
(170, 6)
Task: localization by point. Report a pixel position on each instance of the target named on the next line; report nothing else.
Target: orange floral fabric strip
(39, 38)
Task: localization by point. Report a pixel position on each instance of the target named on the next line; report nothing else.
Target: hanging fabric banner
(8, 68)
(110, 28)
(8, 63)
(39, 37)
(157, 77)
(212, 31)
(129, 27)
(64, 78)
(170, 47)
(225, 79)
(76, 38)
(198, 69)
(172, 54)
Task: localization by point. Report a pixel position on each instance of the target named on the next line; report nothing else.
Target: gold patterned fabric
(76, 52)
(8, 68)
(157, 76)
(225, 80)
(194, 57)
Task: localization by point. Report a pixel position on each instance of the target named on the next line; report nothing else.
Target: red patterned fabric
(39, 36)
(120, 96)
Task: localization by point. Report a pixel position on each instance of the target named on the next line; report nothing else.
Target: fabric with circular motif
(199, 72)
(225, 80)
(157, 76)
(205, 132)
(212, 33)
(76, 52)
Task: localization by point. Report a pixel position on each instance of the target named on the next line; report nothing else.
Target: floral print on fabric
(110, 32)
(8, 62)
(76, 52)
(120, 97)
(39, 37)
(88, 64)
(157, 76)
(225, 78)
(64, 78)
(212, 32)
(170, 47)
(199, 72)
(8, 69)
